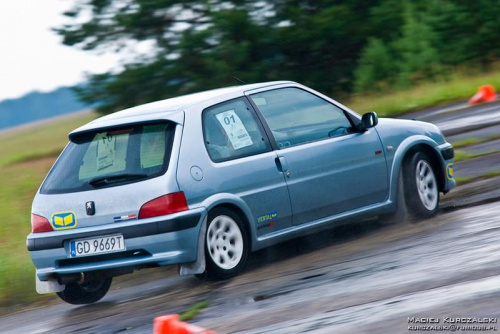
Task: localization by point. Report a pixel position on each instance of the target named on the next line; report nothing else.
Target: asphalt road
(362, 278)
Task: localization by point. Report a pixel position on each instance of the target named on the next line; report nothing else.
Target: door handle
(282, 164)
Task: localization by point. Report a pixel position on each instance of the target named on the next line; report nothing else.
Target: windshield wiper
(105, 180)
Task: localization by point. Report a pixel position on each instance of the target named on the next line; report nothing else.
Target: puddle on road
(398, 307)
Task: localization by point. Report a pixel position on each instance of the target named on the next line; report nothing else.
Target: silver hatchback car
(201, 180)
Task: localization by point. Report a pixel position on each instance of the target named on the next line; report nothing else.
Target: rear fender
(223, 199)
(231, 200)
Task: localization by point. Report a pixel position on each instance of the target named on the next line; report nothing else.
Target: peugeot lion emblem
(90, 206)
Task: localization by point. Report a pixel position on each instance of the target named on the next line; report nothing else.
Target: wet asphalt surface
(358, 278)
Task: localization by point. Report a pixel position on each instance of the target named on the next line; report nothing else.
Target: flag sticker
(126, 217)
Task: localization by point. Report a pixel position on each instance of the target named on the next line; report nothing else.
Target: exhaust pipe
(81, 278)
(71, 278)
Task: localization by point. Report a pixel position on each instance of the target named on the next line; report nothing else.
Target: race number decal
(105, 151)
(235, 130)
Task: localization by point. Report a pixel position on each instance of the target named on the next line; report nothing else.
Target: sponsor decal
(63, 220)
(267, 220)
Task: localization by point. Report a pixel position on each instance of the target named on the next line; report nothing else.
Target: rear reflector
(40, 224)
(164, 205)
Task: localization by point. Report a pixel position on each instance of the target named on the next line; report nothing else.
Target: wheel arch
(236, 205)
(435, 161)
(406, 150)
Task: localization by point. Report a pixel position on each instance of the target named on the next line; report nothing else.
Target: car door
(241, 163)
(330, 168)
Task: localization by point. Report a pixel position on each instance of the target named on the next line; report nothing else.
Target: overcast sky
(32, 56)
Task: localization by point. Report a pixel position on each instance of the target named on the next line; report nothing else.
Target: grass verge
(463, 156)
(458, 87)
(474, 141)
(461, 180)
(25, 158)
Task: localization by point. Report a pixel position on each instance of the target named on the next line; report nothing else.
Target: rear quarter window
(111, 157)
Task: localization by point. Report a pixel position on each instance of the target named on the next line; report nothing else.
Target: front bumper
(447, 154)
(165, 240)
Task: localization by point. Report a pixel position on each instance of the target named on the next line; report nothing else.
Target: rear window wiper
(105, 180)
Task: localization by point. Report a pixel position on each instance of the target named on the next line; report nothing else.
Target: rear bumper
(160, 241)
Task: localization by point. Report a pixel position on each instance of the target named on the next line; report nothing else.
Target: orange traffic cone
(485, 93)
(170, 324)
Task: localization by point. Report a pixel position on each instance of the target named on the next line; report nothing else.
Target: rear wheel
(85, 293)
(421, 187)
(226, 244)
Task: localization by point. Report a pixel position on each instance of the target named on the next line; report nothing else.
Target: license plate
(99, 245)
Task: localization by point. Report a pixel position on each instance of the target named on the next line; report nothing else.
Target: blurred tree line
(334, 46)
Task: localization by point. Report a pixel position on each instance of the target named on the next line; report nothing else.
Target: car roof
(171, 108)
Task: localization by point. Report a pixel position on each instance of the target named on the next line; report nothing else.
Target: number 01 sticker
(235, 130)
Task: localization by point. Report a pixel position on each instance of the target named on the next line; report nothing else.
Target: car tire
(421, 186)
(85, 293)
(226, 245)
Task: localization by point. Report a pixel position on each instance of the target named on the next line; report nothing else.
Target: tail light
(40, 224)
(164, 205)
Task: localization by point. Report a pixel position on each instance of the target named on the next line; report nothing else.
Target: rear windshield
(111, 157)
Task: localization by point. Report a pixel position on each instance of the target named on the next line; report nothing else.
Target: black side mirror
(369, 120)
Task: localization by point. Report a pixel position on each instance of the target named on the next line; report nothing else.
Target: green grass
(41, 140)
(19, 184)
(35, 151)
(468, 179)
(464, 180)
(459, 87)
(193, 311)
(462, 155)
(473, 141)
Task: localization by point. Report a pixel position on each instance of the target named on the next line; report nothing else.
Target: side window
(231, 130)
(296, 116)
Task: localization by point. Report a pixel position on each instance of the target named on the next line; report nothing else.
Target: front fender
(399, 155)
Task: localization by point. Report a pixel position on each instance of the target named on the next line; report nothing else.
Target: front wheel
(85, 293)
(421, 193)
(226, 244)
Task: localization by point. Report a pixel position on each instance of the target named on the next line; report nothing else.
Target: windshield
(111, 157)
